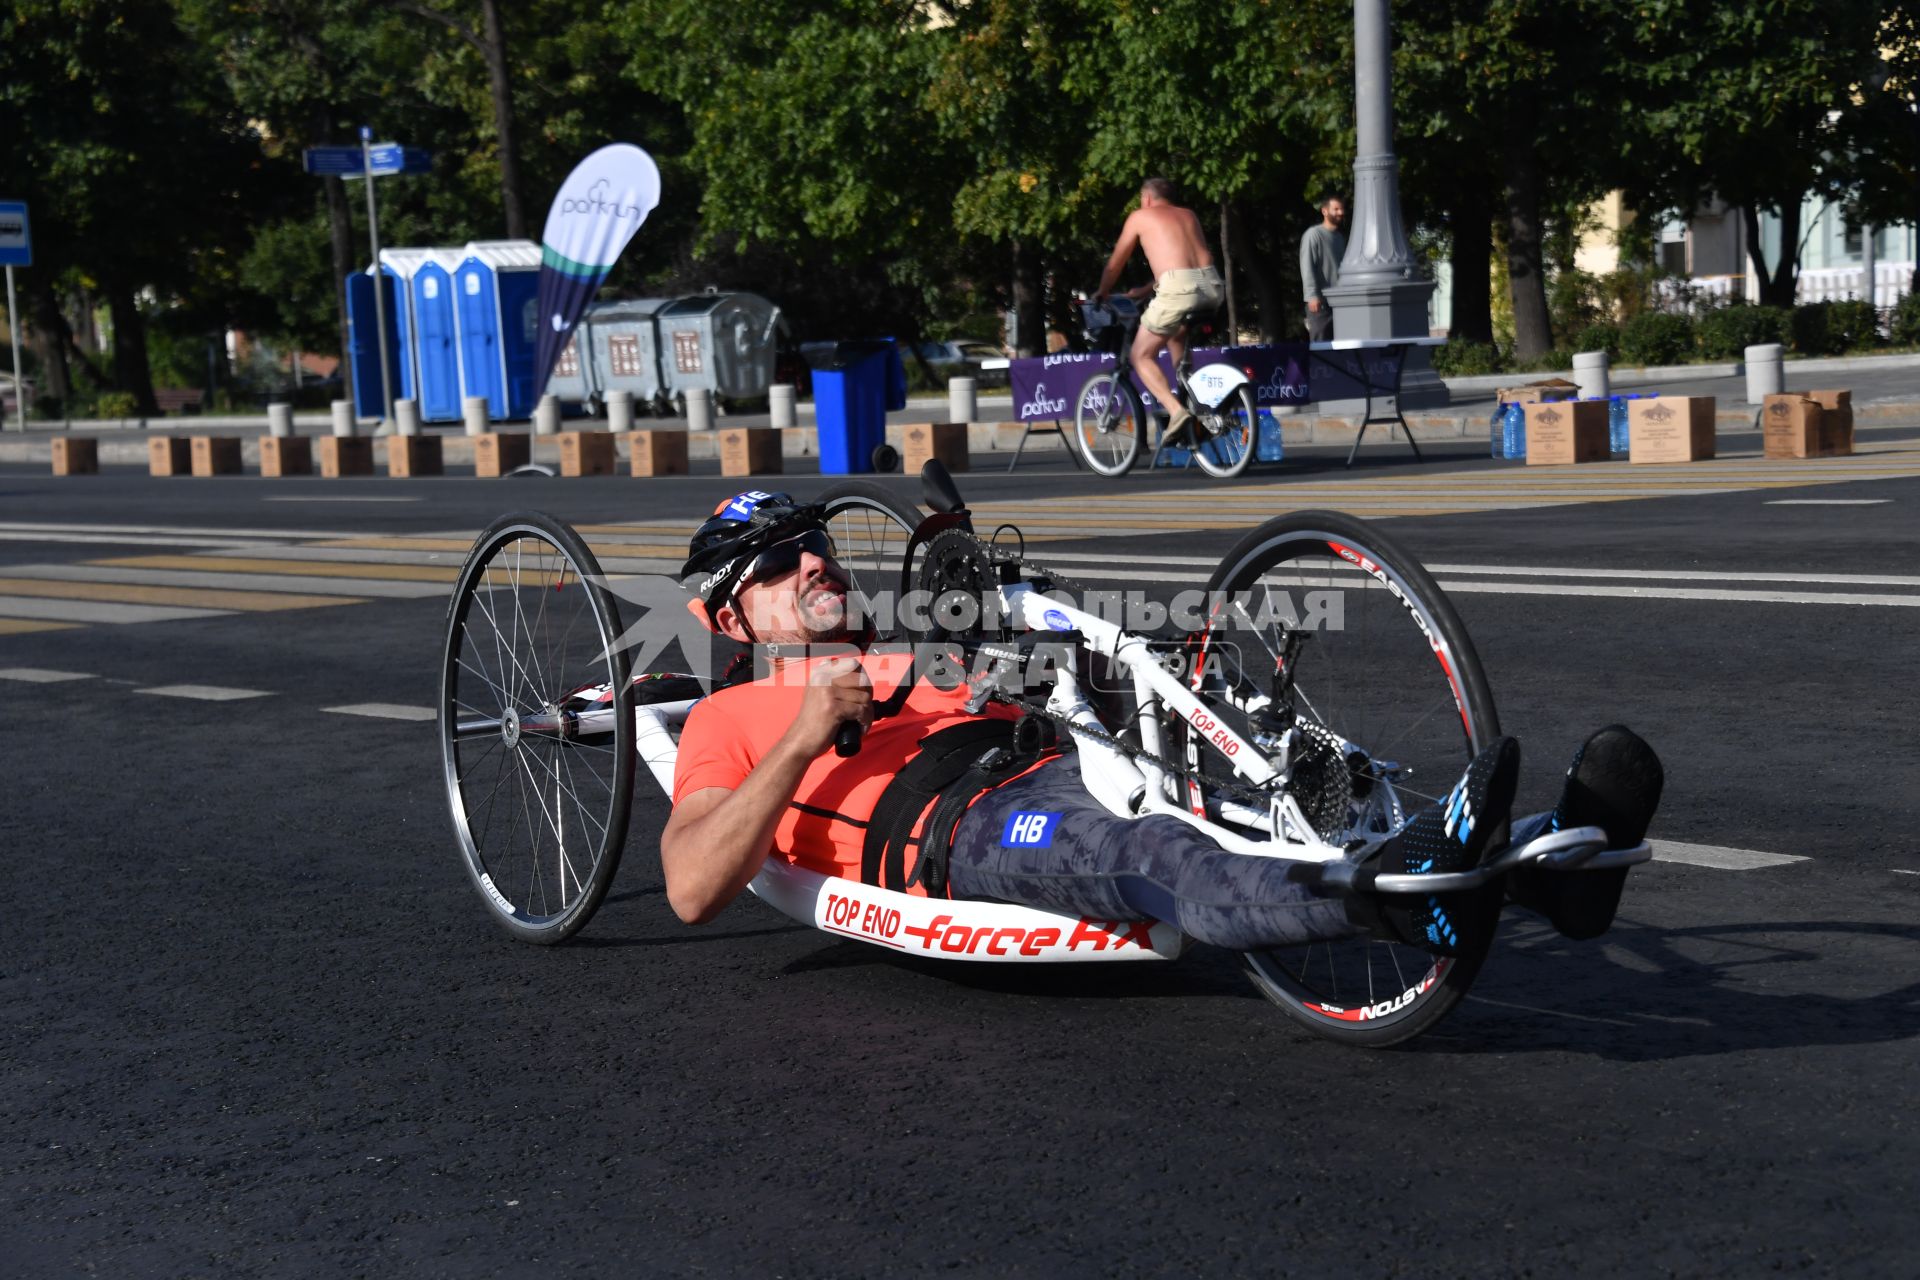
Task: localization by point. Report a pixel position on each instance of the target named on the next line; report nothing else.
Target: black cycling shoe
(1614, 783)
(1452, 837)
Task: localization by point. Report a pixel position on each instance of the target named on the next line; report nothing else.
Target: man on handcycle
(993, 811)
(1186, 285)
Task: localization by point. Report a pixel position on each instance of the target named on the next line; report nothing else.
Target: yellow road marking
(192, 597)
(20, 626)
(296, 568)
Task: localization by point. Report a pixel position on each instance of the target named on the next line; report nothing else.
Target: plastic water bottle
(1617, 423)
(1514, 435)
(1267, 447)
(1496, 431)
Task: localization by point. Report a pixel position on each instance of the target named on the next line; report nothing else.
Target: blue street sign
(391, 157)
(16, 237)
(337, 162)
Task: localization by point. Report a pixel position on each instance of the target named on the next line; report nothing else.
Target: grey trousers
(1319, 323)
(1042, 841)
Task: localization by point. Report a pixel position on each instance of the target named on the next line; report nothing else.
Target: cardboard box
(926, 441)
(76, 456)
(1790, 426)
(1670, 429)
(495, 453)
(750, 451)
(286, 456)
(585, 453)
(346, 456)
(216, 455)
(1836, 421)
(410, 456)
(659, 453)
(169, 456)
(1565, 431)
(1547, 389)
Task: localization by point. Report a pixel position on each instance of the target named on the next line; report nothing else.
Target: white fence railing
(1891, 281)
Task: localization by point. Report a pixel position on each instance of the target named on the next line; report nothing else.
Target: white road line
(384, 711)
(98, 611)
(1677, 593)
(348, 555)
(203, 692)
(334, 498)
(230, 581)
(39, 526)
(1905, 871)
(1827, 502)
(40, 675)
(123, 539)
(1721, 859)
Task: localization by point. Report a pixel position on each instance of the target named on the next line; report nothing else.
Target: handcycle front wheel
(1109, 421)
(536, 726)
(1386, 666)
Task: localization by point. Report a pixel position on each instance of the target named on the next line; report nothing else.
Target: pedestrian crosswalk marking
(239, 601)
(21, 626)
(64, 610)
(40, 675)
(384, 711)
(301, 568)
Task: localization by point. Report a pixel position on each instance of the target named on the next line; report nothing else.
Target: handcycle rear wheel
(1387, 666)
(536, 726)
(1109, 421)
(871, 528)
(1228, 434)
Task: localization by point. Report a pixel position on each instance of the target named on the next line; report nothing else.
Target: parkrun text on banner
(600, 206)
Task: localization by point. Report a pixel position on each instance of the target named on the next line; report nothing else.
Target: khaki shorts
(1181, 295)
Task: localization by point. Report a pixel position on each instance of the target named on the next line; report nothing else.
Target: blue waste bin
(855, 385)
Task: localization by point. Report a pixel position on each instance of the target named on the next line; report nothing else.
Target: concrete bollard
(962, 404)
(780, 402)
(546, 416)
(344, 424)
(699, 409)
(280, 420)
(1764, 374)
(475, 413)
(406, 417)
(1590, 373)
(619, 410)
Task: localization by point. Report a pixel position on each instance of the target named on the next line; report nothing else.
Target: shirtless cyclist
(1186, 282)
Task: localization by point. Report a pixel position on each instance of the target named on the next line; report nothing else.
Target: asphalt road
(258, 1023)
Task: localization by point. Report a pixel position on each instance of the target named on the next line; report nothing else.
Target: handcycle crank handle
(846, 739)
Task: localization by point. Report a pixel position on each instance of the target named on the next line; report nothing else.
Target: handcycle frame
(1128, 787)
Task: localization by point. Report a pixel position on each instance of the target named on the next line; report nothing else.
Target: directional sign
(333, 162)
(391, 157)
(16, 237)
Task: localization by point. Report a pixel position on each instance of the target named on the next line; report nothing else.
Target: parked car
(962, 358)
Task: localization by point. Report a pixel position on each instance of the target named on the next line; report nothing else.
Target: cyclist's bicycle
(1110, 418)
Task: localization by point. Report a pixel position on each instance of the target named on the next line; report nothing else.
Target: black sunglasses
(784, 557)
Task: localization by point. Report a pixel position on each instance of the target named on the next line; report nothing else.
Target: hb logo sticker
(1030, 830)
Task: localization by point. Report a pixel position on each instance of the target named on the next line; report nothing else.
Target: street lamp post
(1380, 294)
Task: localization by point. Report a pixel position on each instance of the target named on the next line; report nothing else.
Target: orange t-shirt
(824, 828)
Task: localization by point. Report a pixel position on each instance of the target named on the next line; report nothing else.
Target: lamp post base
(1391, 309)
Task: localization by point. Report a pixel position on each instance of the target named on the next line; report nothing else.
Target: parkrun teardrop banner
(600, 205)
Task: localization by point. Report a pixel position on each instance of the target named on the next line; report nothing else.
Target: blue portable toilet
(363, 329)
(436, 338)
(401, 264)
(496, 296)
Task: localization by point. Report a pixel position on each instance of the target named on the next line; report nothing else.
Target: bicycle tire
(1235, 424)
(1355, 991)
(530, 673)
(1108, 421)
(871, 527)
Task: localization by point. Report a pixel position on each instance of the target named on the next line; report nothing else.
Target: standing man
(1321, 249)
(1187, 284)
